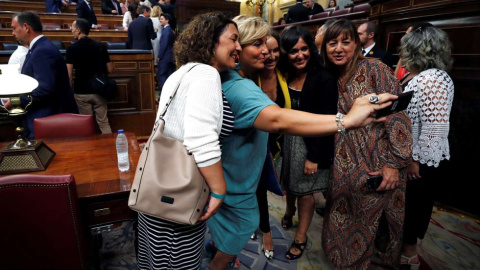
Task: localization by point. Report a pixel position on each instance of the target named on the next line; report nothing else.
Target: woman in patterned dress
(353, 212)
(426, 53)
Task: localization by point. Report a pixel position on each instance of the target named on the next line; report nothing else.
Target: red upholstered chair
(331, 9)
(365, 8)
(340, 12)
(63, 125)
(321, 15)
(40, 228)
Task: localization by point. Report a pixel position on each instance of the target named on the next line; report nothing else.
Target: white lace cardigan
(429, 111)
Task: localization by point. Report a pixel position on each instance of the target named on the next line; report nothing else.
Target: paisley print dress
(353, 213)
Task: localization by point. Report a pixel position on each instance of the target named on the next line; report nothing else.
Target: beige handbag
(167, 181)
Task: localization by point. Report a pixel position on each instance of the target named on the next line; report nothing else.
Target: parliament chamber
(102, 198)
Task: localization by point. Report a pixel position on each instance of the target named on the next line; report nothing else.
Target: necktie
(363, 52)
(27, 57)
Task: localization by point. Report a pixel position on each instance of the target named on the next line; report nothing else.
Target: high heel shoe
(287, 222)
(268, 253)
(408, 261)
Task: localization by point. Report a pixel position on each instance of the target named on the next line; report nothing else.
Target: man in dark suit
(297, 13)
(313, 7)
(85, 11)
(166, 63)
(44, 63)
(140, 31)
(111, 7)
(368, 34)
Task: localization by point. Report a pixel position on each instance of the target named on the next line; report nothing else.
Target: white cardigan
(429, 111)
(195, 115)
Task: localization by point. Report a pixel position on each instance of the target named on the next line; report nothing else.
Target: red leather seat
(40, 228)
(63, 125)
(321, 15)
(340, 12)
(331, 9)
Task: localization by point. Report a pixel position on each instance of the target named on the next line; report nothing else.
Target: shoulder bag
(168, 183)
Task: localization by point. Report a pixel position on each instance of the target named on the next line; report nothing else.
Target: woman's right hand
(213, 206)
(362, 112)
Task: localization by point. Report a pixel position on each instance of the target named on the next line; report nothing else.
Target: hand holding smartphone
(397, 105)
(373, 182)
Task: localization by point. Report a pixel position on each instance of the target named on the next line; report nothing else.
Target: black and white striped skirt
(166, 245)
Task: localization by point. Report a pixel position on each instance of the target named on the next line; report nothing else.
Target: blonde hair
(156, 11)
(251, 28)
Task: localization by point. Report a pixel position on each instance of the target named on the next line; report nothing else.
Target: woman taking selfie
(199, 117)
(244, 151)
(353, 211)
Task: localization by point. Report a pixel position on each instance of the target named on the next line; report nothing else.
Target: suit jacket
(107, 7)
(315, 9)
(53, 94)
(297, 13)
(83, 11)
(319, 95)
(140, 34)
(165, 53)
(53, 5)
(384, 56)
(170, 9)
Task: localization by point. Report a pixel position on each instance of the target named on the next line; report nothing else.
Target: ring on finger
(374, 99)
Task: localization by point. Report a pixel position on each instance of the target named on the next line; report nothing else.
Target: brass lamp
(21, 155)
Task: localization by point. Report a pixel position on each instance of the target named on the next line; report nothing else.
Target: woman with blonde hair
(244, 151)
(155, 17)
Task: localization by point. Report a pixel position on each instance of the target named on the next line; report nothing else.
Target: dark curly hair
(197, 41)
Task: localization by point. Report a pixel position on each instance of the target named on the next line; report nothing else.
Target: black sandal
(298, 246)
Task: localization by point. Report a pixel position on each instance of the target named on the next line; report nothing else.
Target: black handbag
(104, 86)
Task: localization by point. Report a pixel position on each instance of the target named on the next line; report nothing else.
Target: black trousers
(263, 206)
(419, 198)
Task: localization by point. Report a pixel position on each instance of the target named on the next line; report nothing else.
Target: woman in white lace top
(426, 53)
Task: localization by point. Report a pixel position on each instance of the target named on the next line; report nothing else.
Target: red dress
(353, 213)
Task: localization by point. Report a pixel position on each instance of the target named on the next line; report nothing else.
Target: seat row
(64, 20)
(111, 45)
(352, 12)
(39, 7)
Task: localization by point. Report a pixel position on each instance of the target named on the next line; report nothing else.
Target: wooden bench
(39, 7)
(66, 36)
(63, 19)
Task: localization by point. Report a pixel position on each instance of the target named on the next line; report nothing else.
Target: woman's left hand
(362, 112)
(310, 167)
(390, 180)
(213, 206)
(413, 170)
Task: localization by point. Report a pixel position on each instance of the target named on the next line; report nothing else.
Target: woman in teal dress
(244, 151)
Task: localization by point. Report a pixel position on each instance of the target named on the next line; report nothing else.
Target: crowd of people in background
(250, 96)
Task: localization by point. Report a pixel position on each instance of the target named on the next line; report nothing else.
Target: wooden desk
(102, 189)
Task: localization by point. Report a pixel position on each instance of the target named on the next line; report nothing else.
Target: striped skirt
(166, 245)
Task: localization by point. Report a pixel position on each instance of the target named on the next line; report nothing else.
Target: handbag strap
(174, 92)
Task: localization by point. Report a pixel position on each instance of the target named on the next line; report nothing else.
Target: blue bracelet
(217, 196)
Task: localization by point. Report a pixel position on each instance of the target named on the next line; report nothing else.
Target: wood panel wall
(461, 20)
(134, 107)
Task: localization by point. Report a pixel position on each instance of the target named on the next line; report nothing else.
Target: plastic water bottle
(122, 151)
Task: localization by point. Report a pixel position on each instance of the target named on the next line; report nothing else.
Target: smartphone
(373, 182)
(397, 105)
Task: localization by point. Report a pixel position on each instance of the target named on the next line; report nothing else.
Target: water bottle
(122, 151)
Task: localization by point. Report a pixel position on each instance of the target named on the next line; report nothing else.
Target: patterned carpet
(452, 242)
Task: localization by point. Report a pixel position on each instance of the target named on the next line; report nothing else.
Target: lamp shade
(14, 84)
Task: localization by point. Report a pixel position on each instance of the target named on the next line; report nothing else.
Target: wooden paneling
(460, 19)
